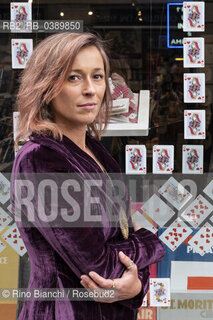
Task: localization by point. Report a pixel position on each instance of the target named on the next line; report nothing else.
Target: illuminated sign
(175, 33)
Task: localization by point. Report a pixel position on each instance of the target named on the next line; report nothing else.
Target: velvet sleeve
(85, 249)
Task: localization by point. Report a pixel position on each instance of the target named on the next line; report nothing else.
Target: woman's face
(82, 93)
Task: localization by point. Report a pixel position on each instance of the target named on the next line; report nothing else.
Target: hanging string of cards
(20, 13)
(194, 120)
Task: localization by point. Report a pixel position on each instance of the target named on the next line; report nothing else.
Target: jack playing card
(192, 159)
(135, 159)
(193, 16)
(13, 238)
(197, 211)
(193, 53)
(194, 87)
(163, 159)
(175, 193)
(160, 292)
(194, 124)
(202, 241)
(175, 234)
(4, 189)
(21, 52)
(157, 210)
(20, 14)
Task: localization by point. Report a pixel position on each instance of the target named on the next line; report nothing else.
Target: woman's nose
(88, 87)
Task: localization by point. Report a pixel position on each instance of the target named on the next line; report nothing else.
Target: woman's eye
(98, 76)
(73, 77)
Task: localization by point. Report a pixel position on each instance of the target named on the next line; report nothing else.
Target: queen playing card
(194, 16)
(194, 87)
(160, 292)
(20, 14)
(21, 52)
(193, 53)
(175, 193)
(163, 159)
(135, 159)
(192, 159)
(194, 124)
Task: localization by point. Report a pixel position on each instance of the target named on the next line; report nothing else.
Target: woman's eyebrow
(81, 71)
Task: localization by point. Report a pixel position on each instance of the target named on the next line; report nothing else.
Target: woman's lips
(87, 105)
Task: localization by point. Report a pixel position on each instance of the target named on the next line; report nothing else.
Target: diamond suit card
(194, 124)
(194, 87)
(193, 53)
(194, 16)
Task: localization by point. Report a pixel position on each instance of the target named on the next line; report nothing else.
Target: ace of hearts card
(21, 52)
(194, 16)
(21, 13)
(160, 292)
(194, 124)
(194, 87)
(192, 159)
(135, 159)
(163, 159)
(193, 53)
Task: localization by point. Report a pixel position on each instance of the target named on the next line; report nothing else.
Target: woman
(63, 100)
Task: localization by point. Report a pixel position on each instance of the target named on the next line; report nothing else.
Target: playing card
(192, 159)
(138, 218)
(2, 246)
(4, 189)
(158, 210)
(13, 238)
(194, 124)
(163, 159)
(197, 211)
(20, 14)
(5, 219)
(120, 106)
(135, 159)
(193, 16)
(144, 304)
(194, 87)
(193, 53)
(160, 292)
(209, 190)
(21, 52)
(175, 234)
(9, 208)
(175, 193)
(202, 241)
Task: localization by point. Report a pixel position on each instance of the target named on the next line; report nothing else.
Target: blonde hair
(42, 80)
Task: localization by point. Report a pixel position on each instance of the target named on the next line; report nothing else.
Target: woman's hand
(128, 286)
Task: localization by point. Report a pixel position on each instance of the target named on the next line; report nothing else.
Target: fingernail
(122, 254)
(91, 273)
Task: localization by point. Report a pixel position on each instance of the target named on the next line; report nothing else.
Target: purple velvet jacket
(58, 257)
